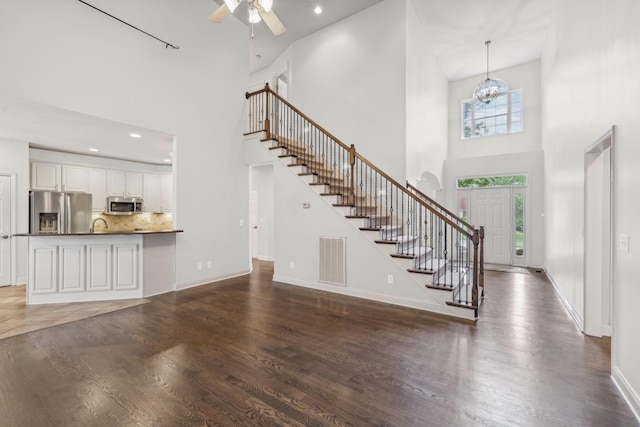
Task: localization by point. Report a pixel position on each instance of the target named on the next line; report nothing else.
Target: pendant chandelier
(489, 89)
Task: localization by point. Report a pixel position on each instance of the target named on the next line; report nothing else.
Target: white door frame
(12, 225)
(598, 236)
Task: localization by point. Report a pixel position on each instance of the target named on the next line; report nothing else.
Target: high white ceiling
(456, 28)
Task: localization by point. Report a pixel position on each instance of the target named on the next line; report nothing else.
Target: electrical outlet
(292, 265)
(390, 279)
(199, 266)
(209, 264)
(241, 222)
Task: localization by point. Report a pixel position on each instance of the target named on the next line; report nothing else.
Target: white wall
(350, 79)
(525, 77)
(590, 82)
(14, 160)
(68, 55)
(427, 102)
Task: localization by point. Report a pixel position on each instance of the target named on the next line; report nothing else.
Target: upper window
(500, 116)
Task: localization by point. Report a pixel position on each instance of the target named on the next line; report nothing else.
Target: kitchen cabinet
(166, 193)
(45, 176)
(158, 192)
(124, 183)
(151, 193)
(75, 178)
(84, 268)
(97, 186)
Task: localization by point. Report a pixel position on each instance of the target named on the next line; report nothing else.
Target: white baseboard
(627, 392)
(265, 258)
(205, 281)
(577, 318)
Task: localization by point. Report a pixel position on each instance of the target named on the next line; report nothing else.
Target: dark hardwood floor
(247, 351)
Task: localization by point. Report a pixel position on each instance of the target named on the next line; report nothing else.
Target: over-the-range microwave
(117, 205)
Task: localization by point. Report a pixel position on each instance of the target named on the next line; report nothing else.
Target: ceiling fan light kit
(259, 10)
(254, 16)
(489, 89)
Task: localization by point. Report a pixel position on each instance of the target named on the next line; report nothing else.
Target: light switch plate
(623, 243)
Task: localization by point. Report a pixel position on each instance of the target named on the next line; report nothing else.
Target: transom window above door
(500, 116)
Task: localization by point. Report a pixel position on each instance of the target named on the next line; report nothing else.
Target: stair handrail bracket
(447, 249)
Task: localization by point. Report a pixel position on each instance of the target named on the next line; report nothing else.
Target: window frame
(509, 115)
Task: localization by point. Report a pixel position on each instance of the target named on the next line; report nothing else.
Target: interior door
(491, 208)
(254, 223)
(5, 230)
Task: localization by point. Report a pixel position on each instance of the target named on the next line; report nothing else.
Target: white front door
(5, 230)
(491, 208)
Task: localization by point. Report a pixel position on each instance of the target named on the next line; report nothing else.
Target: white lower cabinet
(125, 266)
(98, 271)
(84, 268)
(72, 268)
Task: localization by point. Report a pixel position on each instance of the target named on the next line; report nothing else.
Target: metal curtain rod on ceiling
(132, 26)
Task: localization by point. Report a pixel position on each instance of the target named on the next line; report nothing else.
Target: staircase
(439, 251)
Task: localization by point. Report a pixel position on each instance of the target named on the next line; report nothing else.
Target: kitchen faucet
(93, 224)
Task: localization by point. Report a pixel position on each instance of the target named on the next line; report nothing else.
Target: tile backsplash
(145, 221)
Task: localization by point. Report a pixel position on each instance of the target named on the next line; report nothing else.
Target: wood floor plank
(250, 352)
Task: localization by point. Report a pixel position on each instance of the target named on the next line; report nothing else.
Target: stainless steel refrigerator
(54, 212)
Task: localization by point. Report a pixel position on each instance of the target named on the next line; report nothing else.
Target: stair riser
(358, 222)
(378, 221)
(343, 210)
(308, 179)
(386, 248)
(407, 247)
(391, 232)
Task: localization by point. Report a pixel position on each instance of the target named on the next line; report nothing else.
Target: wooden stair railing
(441, 244)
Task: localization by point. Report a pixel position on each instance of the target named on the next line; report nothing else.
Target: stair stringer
(408, 288)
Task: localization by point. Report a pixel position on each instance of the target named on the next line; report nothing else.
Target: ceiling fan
(259, 10)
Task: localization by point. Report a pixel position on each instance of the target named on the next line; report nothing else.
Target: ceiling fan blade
(220, 13)
(271, 20)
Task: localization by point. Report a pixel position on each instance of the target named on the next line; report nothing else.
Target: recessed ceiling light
(95, 150)
(318, 10)
(135, 135)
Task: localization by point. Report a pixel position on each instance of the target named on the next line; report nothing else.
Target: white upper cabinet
(151, 193)
(45, 176)
(126, 184)
(166, 193)
(75, 178)
(97, 186)
(158, 192)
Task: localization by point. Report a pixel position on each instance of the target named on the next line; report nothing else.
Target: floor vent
(333, 261)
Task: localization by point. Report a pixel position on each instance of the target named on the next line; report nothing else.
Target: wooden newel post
(267, 124)
(352, 163)
(476, 267)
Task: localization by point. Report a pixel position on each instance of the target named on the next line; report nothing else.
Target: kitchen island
(100, 266)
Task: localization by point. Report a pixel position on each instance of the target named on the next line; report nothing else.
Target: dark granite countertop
(101, 233)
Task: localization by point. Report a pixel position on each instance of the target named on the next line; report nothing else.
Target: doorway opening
(598, 234)
(261, 212)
